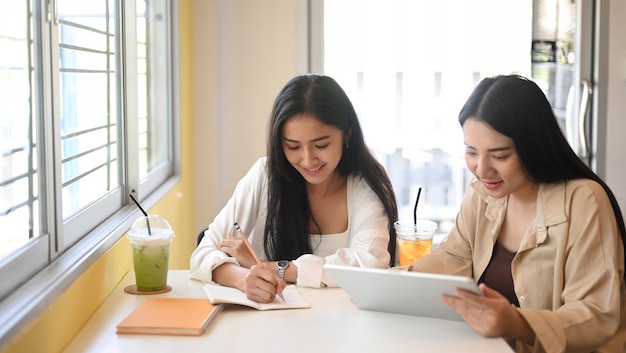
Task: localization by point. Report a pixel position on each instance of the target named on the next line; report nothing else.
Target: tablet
(400, 292)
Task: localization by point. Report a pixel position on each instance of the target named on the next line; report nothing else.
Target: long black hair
(517, 108)
(287, 228)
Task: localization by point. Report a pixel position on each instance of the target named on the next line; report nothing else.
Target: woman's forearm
(230, 275)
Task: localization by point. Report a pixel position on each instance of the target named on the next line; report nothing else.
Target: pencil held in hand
(254, 254)
(248, 245)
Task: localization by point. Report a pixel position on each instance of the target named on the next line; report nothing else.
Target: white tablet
(400, 292)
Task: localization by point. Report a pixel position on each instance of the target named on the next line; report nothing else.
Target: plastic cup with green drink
(150, 238)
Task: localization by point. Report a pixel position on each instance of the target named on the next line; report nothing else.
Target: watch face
(282, 263)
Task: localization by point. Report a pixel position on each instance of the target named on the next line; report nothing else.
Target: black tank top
(498, 276)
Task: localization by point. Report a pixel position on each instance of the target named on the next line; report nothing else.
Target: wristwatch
(282, 266)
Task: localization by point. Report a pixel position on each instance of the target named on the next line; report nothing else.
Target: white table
(332, 324)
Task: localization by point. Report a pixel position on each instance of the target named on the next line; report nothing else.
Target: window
(154, 87)
(18, 178)
(408, 67)
(87, 116)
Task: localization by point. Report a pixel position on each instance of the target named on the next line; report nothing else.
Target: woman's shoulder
(576, 187)
(588, 184)
(589, 188)
(576, 192)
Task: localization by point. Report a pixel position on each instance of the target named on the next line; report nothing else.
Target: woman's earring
(347, 144)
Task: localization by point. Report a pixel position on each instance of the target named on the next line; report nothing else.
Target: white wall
(244, 52)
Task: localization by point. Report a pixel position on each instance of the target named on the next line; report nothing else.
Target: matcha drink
(151, 251)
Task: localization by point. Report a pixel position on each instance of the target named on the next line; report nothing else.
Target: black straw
(144, 213)
(419, 191)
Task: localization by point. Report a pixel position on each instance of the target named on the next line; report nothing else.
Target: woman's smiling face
(313, 148)
(493, 159)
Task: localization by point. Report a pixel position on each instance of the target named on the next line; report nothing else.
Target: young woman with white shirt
(319, 196)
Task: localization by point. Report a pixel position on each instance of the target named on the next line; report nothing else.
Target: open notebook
(226, 295)
(400, 292)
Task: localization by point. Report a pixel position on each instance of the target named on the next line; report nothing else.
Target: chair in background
(201, 235)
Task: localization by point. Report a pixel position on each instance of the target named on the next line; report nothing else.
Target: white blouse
(364, 243)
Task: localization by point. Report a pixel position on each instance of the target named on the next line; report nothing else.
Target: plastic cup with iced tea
(415, 239)
(150, 238)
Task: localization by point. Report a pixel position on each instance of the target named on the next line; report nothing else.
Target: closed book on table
(170, 316)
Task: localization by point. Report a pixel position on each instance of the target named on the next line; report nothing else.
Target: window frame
(32, 286)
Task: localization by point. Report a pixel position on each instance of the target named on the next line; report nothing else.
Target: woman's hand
(490, 315)
(235, 247)
(262, 284)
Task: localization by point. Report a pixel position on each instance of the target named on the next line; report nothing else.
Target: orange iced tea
(410, 250)
(414, 238)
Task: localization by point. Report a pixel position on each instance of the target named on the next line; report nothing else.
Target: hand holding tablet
(399, 292)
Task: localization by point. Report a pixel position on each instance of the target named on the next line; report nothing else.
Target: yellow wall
(54, 329)
(244, 52)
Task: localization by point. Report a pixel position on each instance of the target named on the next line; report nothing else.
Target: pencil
(245, 240)
(254, 254)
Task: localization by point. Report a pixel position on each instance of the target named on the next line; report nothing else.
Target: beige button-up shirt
(568, 272)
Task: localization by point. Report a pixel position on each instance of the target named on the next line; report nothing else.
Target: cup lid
(153, 226)
(421, 224)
